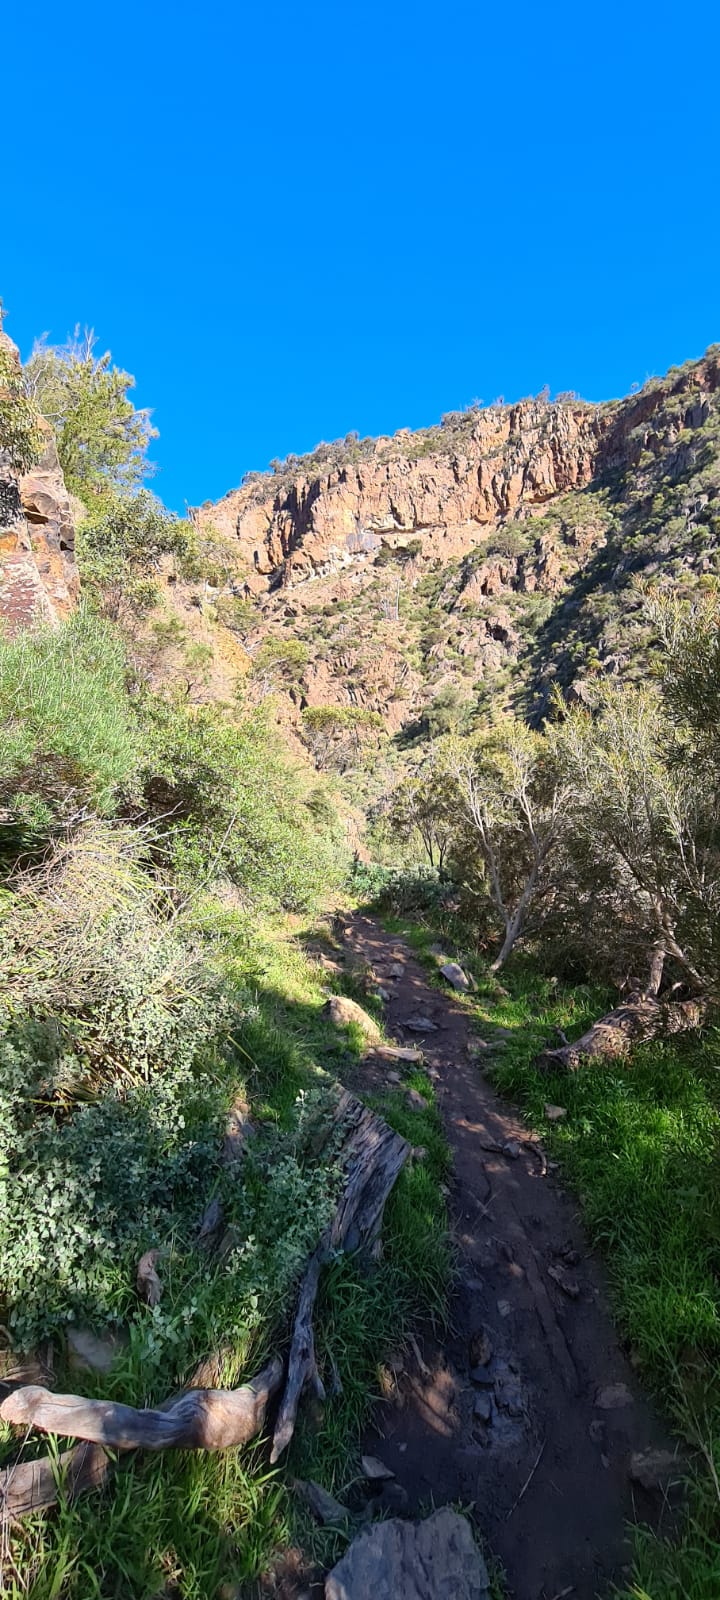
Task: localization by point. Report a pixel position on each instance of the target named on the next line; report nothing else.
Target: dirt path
(546, 1475)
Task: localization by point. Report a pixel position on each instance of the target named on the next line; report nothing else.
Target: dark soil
(521, 1444)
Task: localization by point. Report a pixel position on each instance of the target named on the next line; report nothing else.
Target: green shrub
(232, 806)
(68, 738)
(20, 429)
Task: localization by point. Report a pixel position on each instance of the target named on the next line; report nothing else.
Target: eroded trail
(529, 1413)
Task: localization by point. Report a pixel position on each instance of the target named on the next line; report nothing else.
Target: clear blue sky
(289, 220)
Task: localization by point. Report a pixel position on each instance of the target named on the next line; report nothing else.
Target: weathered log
(639, 1020)
(200, 1419)
(33, 1485)
(372, 1157)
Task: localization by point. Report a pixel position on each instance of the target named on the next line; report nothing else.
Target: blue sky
(292, 220)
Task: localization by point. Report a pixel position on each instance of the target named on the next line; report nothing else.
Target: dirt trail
(546, 1476)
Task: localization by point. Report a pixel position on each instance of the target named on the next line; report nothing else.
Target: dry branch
(372, 1157)
(33, 1485)
(639, 1020)
(200, 1419)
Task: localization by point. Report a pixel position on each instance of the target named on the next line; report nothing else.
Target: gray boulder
(432, 1560)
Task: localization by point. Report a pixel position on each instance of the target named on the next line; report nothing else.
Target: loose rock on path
(505, 1417)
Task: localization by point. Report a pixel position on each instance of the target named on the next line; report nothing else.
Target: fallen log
(29, 1486)
(200, 1419)
(372, 1156)
(638, 1020)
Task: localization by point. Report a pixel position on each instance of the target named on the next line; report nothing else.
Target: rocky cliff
(447, 485)
(38, 574)
(433, 577)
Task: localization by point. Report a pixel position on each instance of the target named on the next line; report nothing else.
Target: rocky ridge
(479, 562)
(449, 485)
(38, 573)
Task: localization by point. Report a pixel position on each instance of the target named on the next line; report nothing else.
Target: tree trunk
(637, 1021)
(657, 966)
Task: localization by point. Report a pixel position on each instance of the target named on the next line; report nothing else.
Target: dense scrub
(150, 849)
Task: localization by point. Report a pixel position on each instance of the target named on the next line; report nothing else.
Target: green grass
(192, 1525)
(640, 1148)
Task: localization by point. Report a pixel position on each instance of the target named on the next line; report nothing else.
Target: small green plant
(21, 436)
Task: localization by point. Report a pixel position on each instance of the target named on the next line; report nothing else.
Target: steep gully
(524, 1444)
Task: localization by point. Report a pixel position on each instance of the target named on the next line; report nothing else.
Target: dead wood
(372, 1156)
(637, 1021)
(33, 1485)
(200, 1419)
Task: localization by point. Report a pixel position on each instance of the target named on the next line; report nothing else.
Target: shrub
(68, 738)
(20, 430)
(102, 439)
(120, 545)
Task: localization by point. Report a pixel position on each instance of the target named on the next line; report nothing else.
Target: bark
(29, 1486)
(372, 1157)
(200, 1419)
(639, 1020)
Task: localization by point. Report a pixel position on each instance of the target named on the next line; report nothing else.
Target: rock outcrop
(38, 574)
(447, 486)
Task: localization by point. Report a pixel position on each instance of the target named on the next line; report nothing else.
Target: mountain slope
(472, 563)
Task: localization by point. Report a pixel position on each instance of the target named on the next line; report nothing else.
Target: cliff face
(446, 490)
(434, 576)
(448, 485)
(38, 574)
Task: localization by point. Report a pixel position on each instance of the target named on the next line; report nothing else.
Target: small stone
(555, 1113)
(415, 1100)
(653, 1469)
(374, 1469)
(323, 1505)
(418, 1152)
(482, 1409)
(568, 1285)
(480, 1349)
(347, 1013)
(612, 1397)
(89, 1353)
(402, 1448)
(395, 1560)
(454, 975)
(482, 1376)
(597, 1431)
(394, 1077)
(420, 1024)
(511, 1149)
(510, 1399)
(398, 1052)
(504, 1308)
(396, 969)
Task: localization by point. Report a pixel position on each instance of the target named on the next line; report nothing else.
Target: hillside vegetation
(496, 718)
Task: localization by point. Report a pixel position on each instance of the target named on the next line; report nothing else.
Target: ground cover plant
(152, 982)
(135, 1167)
